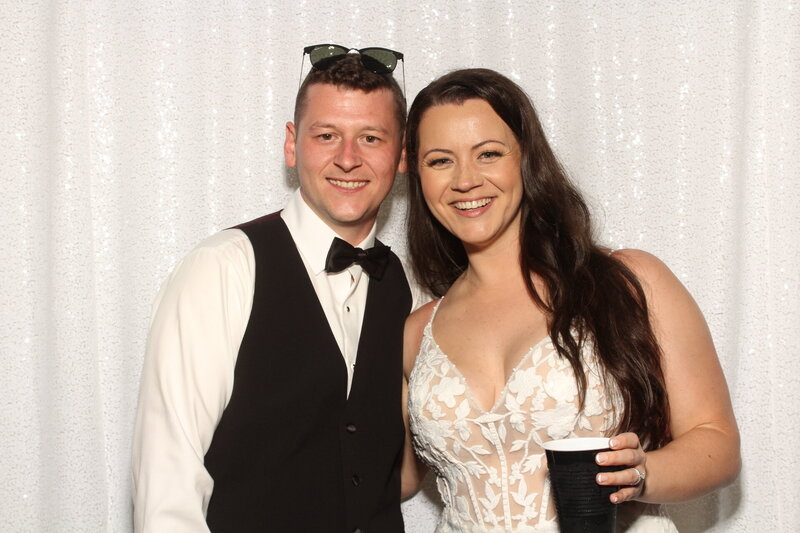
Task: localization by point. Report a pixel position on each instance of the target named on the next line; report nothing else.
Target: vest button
(351, 428)
(356, 480)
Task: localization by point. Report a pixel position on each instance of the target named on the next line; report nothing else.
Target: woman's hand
(626, 451)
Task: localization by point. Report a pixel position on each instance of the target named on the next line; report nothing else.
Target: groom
(271, 389)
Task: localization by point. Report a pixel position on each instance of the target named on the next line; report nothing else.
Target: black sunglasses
(375, 59)
(378, 60)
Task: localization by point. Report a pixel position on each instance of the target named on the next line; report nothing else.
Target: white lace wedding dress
(490, 466)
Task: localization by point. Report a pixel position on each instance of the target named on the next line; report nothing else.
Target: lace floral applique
(491, 468)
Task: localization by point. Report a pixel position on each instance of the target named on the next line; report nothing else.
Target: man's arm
(419, 294)
(198, 323)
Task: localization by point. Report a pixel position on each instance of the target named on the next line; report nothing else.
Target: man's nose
(348, 155)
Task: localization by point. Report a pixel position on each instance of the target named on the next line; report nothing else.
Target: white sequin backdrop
(129, 131)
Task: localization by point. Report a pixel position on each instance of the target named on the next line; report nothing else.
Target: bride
(539, 333)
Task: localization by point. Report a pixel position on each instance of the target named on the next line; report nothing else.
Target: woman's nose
(466, 178)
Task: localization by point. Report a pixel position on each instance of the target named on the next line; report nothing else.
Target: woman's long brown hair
(591, 296)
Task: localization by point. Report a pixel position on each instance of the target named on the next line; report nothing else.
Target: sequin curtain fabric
(131, 130)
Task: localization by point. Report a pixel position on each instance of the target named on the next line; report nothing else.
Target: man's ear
(402, 167)
(290, 145)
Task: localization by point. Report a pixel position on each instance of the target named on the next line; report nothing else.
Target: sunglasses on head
(378, 60)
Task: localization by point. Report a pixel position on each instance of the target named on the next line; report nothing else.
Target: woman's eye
(438, 162)
(490, 154)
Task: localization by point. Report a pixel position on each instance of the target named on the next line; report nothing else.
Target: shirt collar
(311, 235)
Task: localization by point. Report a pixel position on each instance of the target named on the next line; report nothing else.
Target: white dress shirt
(199, 319)
(343, 295)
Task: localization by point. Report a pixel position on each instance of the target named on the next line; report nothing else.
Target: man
(271, 389)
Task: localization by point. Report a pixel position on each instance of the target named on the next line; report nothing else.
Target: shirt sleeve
(199, 319)
(419, 295)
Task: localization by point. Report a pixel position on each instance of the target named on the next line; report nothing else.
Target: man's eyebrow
(322, 125)
(378, 129)
(328, 125)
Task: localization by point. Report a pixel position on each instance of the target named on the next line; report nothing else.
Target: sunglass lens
(374, 65)
(323, 55)
(379, 60)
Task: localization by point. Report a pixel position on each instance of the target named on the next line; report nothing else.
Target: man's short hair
(350, 73)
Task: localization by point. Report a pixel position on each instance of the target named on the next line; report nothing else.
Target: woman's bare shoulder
(420, 317)
(648, 268)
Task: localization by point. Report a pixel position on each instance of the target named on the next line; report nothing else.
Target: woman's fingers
(626, 450)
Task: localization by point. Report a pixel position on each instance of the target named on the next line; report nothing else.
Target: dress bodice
(490, 465)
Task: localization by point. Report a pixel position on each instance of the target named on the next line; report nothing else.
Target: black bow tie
(341, 255)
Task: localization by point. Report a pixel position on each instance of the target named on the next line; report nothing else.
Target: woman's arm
(413, 470)
(704, 453)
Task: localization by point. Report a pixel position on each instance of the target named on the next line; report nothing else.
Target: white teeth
(348, 184)
(472, 204)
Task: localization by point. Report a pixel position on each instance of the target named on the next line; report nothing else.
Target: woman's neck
(494, 267)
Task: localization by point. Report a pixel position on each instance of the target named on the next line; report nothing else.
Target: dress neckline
(472, 398)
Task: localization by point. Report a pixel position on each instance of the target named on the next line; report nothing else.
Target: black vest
(292, 453)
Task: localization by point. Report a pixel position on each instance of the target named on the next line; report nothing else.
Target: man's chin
(352, 224)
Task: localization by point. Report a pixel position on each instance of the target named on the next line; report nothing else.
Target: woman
(541, 333)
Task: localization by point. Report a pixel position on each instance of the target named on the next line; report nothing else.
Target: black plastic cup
(582, 505)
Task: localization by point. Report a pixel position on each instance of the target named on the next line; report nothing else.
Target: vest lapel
(297, 277)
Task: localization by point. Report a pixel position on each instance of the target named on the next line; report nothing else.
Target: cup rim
(577, 444)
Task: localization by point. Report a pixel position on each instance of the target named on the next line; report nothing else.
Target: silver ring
(641, 477)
